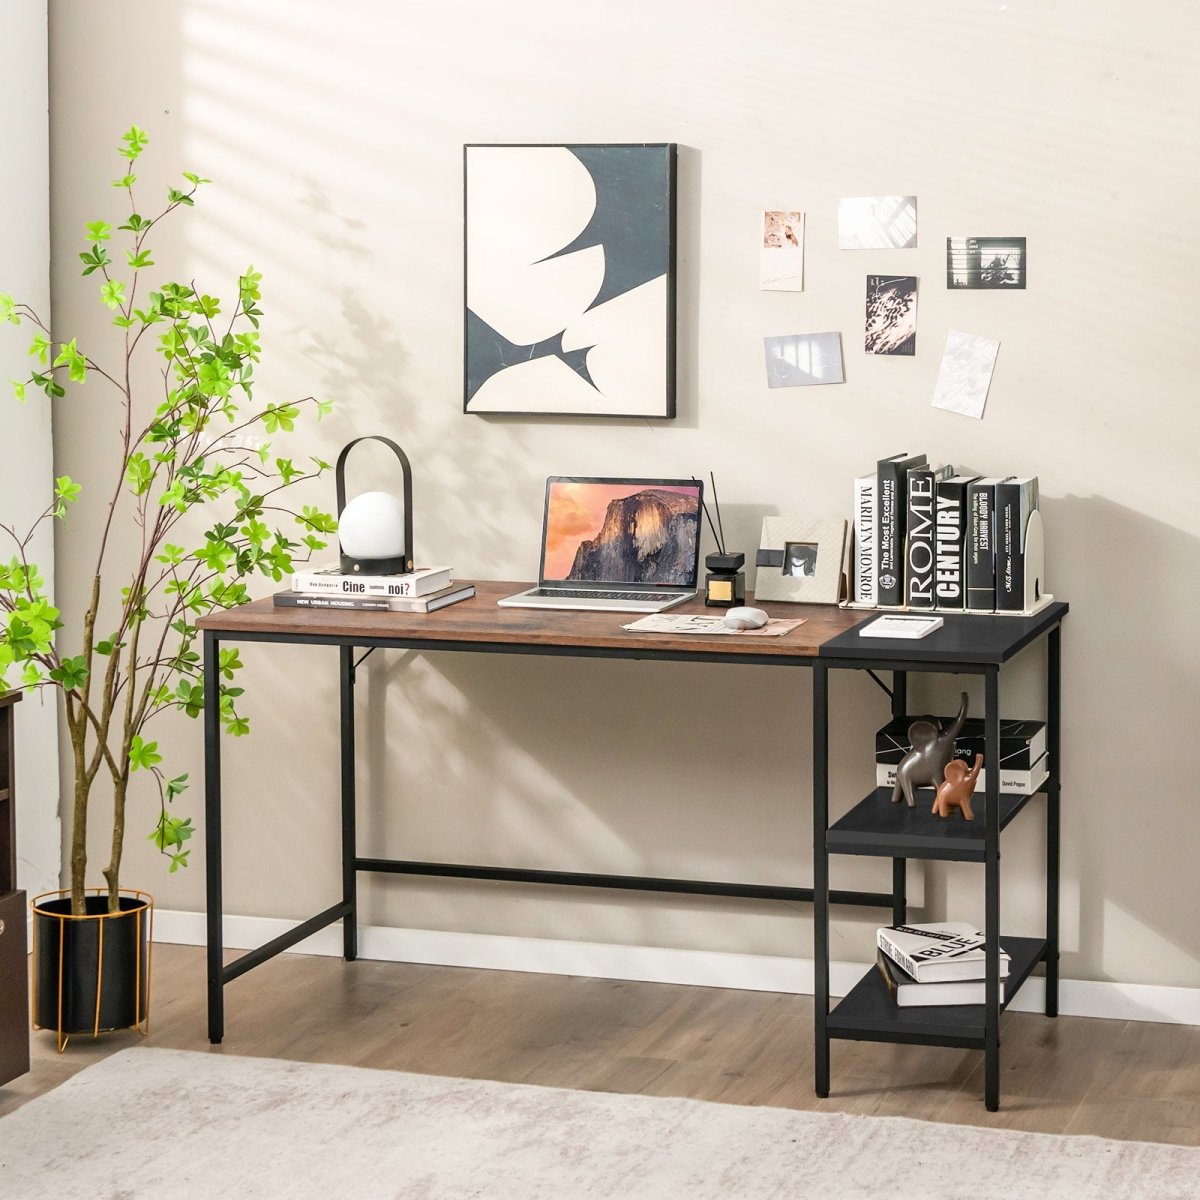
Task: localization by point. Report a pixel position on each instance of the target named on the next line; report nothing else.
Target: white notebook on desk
(900, 625)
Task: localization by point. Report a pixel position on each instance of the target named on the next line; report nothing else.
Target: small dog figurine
(955, 791)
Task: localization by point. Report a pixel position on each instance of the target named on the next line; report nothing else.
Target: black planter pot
(91, 974)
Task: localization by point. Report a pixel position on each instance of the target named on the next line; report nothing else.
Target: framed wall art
(801, 561)
(569, 279)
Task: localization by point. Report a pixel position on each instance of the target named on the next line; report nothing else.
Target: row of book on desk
(928, 538)
(926, 965)
(421, 591)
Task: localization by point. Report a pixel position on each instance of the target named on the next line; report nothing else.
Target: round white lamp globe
(372, 526)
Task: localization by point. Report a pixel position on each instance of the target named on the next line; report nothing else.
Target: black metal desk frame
(885, 658)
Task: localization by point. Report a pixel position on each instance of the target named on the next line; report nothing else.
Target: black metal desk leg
(349, 848)
(991, 865)
(212, 834)
(1053, 812)
(899, 865)
(821, 876)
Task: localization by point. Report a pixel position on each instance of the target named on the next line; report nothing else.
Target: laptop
(617, 545)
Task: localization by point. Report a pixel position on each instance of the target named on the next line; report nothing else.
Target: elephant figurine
(932, 748)
(955, 790)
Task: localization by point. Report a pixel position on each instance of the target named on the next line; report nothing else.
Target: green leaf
(70, 357)
(143, 755)
(112, 293)
(139, 473)
(39, 348)
(229, 661)
(72, 674)
(66, 489)
(94, 259)
(8, 309)
(126, 181)
(171, 554)
(19, 391)
(195, 179)
(139, 259)
(324, 408)
(136, 223)
(280, 416)
(135, 140)
(98, 231)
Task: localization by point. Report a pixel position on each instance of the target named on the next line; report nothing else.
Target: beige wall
(26, 466)
(334, 135)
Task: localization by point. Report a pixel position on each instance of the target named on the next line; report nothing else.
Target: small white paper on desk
(966, 373)
(706, 626)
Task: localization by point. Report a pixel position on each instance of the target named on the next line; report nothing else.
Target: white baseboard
(654, 964)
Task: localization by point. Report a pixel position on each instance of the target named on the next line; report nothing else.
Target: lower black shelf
(869, 1013)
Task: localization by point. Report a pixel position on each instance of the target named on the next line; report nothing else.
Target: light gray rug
(151, 1124)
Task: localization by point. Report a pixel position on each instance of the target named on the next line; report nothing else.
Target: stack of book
(421, 591)
(1024, 764)
(926, 538)
(924, 965)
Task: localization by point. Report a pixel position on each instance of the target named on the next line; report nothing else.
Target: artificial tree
(194, 471)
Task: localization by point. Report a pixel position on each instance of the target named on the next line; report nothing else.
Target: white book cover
(1020, 783)
(908, 993)
(934, 953)
(332, 580)
(866, 520)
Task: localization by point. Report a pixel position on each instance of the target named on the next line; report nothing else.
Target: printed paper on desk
(706, 626)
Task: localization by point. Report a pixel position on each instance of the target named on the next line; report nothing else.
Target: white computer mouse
(745, 618)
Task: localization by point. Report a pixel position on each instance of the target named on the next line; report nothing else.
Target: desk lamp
(375, 528)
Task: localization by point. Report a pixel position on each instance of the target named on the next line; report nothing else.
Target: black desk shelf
(877, 826)
(869, 1013)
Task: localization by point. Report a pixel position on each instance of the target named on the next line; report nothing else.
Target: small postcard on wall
(891, 314)
(781, 260)
(877, 222)
(985, 262)
(965, 374)
(803, 359)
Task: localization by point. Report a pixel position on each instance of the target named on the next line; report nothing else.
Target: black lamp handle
(340, 482)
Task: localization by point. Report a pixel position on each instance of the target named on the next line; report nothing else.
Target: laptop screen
(635, 531)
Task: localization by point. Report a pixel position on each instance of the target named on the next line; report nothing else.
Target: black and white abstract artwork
(985, 262)
(803, 359)
(570, 280)
(891, 314)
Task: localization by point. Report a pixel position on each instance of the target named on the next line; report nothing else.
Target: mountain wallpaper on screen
(649, 537)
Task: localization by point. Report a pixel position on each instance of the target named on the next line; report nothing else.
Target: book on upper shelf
(919, 539)
(1016, 501)
(333, 581)
(865, 588)
(908, 993)
(1016, 781)
(938, 952)
(981, 545)
(950, 538)
(892, 500)
(409, 604)
(1022, 743)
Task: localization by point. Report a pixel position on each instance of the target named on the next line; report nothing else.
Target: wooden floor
(1071, 1075)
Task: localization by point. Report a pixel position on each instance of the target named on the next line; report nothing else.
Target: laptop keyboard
(560, 593)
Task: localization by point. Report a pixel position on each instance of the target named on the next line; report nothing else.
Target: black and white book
(892, 481)
(908, 993)
(866, 538)
(1014, 781)
(1022, 743)
(1015, 500)
(939, 952)
(920, 534)
(333, 581)
(409, 604)
(950, 538)
(981, 545)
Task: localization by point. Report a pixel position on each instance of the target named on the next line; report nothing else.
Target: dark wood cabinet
(14, 963)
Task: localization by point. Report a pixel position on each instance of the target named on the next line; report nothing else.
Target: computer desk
(825, 641)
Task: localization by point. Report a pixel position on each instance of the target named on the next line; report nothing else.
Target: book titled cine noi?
(938, 953)
(333, 581)
(409, 604)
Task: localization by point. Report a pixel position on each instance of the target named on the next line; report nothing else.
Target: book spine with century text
(866, 567)
(1015, 500)
(950, 537)
(892, 501)
(981, 546)
(919, 556)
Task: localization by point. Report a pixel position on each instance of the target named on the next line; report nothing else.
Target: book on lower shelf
(408, 604)
(908, 993)
(333, 581)
(938, 953)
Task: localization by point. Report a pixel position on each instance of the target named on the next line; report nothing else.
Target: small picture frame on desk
(801, 561)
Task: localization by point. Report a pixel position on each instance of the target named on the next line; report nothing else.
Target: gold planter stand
(91, 973)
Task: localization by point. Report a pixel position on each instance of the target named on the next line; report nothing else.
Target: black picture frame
(634, 223)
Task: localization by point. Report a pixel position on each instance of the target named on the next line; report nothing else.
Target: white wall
(334, 135)
(26, 467)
